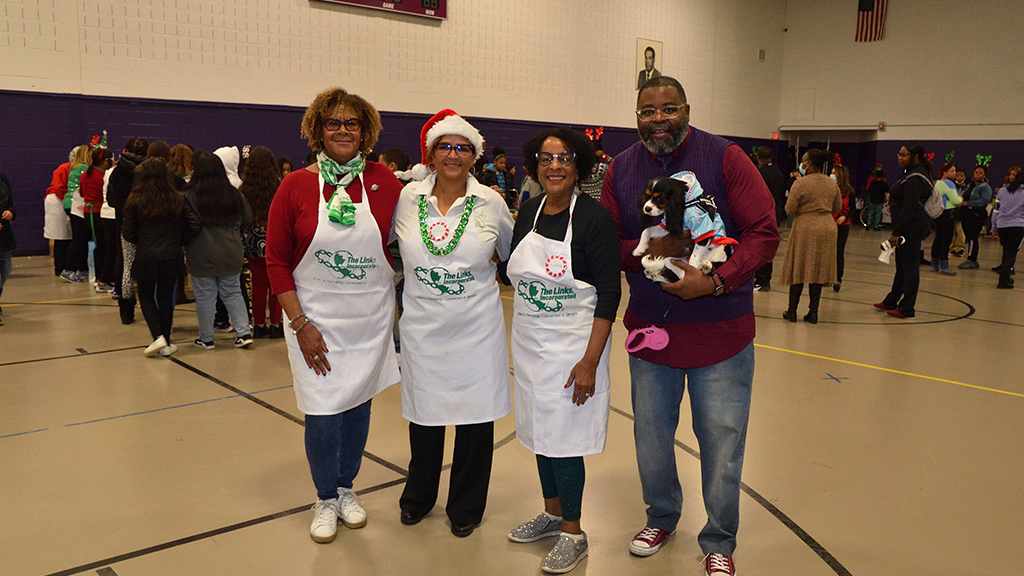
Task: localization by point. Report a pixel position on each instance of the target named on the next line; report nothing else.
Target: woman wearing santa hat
(454, 351)
(330, 269)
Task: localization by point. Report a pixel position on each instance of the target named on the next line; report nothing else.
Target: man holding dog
(709, 319)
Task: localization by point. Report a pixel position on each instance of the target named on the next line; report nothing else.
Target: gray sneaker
(539, 527)
(566, 554)
(968, 265)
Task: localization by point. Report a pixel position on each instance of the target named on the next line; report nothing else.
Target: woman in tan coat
(811, 252)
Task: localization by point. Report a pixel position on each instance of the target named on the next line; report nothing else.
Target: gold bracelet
(297, 316)
(295, 331)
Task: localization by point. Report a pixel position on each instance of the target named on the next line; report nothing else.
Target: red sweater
(293, 217)
(59, 182)
(91, 190)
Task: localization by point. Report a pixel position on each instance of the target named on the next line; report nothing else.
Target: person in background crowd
(591, 183)
(108, 242)
(977, 195)
(842, 219)
(76, 263)
(454, 345)
(811, 251)
(56, 222)
(91, 191)
(260, 181)
(7, 242)
(910, 225)
(326, 219)
(1008, 220)
(119, 187)
(877, 191)
(158, 222)
(958, 246)
(180, 162)
(284, 166)
(776, 183)
(708, 320)
(215, 255)
(560, 356)
(944, 224)
(989, 228)
(499, 178)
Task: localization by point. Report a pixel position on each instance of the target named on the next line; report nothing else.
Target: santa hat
(444, 123)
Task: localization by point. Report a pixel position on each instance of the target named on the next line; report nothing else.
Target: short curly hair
(330, 100)
(574, 141)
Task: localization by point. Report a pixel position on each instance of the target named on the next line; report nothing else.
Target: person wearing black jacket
(119, 187)
(7, 243)
(910, 225)
(777, 185)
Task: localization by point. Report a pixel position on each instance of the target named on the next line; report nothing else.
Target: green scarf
(340, 208)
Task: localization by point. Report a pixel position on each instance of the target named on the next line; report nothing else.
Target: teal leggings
(563, 478)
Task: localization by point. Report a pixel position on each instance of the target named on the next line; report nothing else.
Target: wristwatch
(719, 284)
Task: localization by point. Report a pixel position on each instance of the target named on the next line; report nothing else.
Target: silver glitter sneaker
(539, 527)
(566, 554)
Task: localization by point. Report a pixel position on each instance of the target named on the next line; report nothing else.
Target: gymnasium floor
(876, 447)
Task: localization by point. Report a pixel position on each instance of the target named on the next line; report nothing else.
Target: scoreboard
(437, 9)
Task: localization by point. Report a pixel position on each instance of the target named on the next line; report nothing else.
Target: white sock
(577, 537)
(552, 517)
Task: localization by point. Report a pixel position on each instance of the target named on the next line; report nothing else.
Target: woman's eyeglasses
(445, 148)
(546, 158)
(335, 124)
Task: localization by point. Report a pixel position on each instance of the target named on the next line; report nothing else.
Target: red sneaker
(897, 314)
(719, 565)
(648, 541)
(880, 306)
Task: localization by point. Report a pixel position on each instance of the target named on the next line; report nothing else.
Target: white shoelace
(349, 501)
(717, 563)
(647, 533)
(324, 510)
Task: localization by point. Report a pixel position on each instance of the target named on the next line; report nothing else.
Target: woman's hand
(841, 219)
(314, 349)
(582, 374)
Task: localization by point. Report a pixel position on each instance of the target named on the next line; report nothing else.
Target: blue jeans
(720, 405)
(334, 448)
(206, 289)
(874, 214)
(6, 267)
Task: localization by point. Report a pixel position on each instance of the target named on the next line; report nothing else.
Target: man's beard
(663, 146)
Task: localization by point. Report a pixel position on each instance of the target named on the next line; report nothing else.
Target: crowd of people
(310, 254)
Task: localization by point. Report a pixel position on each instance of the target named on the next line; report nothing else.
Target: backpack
(936, 202)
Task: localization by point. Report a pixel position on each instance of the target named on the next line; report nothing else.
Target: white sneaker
(325, 521)
(168, 350)
(157, 345)
(353, 515)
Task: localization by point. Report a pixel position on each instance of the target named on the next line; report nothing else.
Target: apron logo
(343, 264)
(440, 281)
(540, 298)
(439, 231)
(556, 266)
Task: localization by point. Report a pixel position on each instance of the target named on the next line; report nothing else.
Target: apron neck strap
(568, 228)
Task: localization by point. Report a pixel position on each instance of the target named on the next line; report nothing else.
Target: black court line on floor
(79, 354)
(894, 322)
(800, 533)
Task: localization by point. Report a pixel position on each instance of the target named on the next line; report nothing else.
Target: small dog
(681, 203)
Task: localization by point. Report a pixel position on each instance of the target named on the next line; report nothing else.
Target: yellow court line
(891, 371)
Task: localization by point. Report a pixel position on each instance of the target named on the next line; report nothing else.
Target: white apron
(56, 222)
(552, 318)
(454, 344)
(344, 283)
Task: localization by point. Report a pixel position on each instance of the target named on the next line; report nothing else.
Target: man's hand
(672, 246)
(694, 283)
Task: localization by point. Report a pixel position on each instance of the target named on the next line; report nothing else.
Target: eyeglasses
(546, 158)
(902, 155)
(444, 148)
(335, 124)
(648, 113)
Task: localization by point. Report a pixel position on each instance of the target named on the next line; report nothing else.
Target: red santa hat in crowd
(444, 123)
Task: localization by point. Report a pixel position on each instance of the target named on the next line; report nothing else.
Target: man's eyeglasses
(650, 112)
(335, 124)
(444, 148)
(546, 158)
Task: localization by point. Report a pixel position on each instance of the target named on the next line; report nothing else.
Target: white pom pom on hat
(448, 122)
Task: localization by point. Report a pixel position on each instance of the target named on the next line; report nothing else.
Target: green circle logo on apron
(343, 264)
(442, 282)
(539, 298)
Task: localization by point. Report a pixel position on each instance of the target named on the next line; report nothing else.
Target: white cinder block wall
(946, 70)
(537, 60)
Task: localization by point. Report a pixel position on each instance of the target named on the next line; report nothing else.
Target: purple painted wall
(40, 129)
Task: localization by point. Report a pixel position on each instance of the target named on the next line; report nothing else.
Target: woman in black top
(564, 264)
(910, 225)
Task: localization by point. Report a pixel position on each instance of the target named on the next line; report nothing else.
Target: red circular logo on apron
(556, 266)
(438, 231)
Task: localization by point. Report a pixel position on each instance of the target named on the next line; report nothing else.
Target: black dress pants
(945, 227)
(1010, 238)
(972, 221)
(471, 471)
(77, 259)
(156, 298)
(843, 234)
(907, 280)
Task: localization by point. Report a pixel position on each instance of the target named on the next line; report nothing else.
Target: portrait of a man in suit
(648, 71)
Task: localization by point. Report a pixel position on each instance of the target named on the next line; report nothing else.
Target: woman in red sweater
(84, 229)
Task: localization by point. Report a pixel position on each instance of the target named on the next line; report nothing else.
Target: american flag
(870, 20)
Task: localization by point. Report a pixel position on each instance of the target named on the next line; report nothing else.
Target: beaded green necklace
(429, 242)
